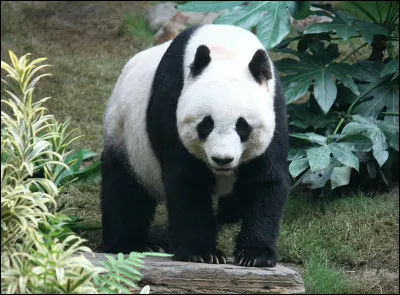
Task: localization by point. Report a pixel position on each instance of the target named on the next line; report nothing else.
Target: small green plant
(39, 251)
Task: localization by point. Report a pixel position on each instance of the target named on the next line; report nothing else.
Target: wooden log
(165, 276)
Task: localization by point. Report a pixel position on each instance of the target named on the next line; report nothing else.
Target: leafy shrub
(343, 117)
(39, 251)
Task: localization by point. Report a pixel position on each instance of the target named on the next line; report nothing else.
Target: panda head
(225, 113)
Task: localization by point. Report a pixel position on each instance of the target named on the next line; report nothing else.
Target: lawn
(339, 244)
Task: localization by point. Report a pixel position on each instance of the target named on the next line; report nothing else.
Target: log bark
(165, 276)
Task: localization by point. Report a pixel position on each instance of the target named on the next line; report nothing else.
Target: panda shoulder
(144, 56)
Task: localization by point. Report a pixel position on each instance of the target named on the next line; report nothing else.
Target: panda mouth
(223, 171)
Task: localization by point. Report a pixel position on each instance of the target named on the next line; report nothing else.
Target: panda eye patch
(205, 127)
(243, 129)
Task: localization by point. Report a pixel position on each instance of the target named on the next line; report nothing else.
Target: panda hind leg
(127, 210)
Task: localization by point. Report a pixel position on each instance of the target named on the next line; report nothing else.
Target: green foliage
(134, 24)
(343, 117)
(39, 251)
(123, 272)
(319, 278)
(272, 18)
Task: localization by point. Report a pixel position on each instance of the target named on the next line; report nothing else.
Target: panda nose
(222, 161)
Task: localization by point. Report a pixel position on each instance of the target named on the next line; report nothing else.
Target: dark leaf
(390, 68)
(299, 9)
(369, 30)
(311, 137)
(344, 27)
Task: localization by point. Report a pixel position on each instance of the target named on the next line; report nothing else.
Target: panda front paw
(212, 257)
(255, 257)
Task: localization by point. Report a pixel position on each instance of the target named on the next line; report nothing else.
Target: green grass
(319, 278)
(134, 23)
(325, 238)
(349, 231)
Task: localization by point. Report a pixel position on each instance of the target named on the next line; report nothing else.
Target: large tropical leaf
(272, 18)
(318, 157)
(311, 137)
(275, 25)
(344, 27)
(385, 95)
(317, 69)
(340, 176)
(343, 154)
(347, 27)
(369, 30)
(390, 68)
(296, 167)
(369, 127)
(318, 179)
(246, 17)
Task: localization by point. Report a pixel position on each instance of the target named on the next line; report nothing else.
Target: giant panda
(195, 118)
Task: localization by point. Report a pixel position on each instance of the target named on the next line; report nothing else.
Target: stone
(168, 32)
(159, 14)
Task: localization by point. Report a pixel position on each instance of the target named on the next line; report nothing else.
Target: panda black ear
(201, 60)
(259, 66)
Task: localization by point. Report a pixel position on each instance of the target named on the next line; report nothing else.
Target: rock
(168, 32)
(195, 18)
(301, 25)
(159, 14)
(165, 276)
(181, 21)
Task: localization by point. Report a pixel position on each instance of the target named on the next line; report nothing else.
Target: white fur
(125, 119)
(225, 90)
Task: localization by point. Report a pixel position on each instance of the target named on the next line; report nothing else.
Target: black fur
(259, 66)
(201, 60)
(127, 210)
(259, 195)
(205, 127)
(243, 129)
(188, 182)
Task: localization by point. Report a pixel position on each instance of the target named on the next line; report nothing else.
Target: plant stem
(390, 114)
(379, 12)
(354, 51)
(338, 126)
(364, 11)
(388, 12)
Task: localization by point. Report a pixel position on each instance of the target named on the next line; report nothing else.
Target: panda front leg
(263, 210)
(192, 223)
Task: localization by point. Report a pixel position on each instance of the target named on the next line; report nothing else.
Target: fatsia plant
(343, 114)
(271, 18)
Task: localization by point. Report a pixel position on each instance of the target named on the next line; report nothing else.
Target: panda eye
(243, 129)
(205, 127)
